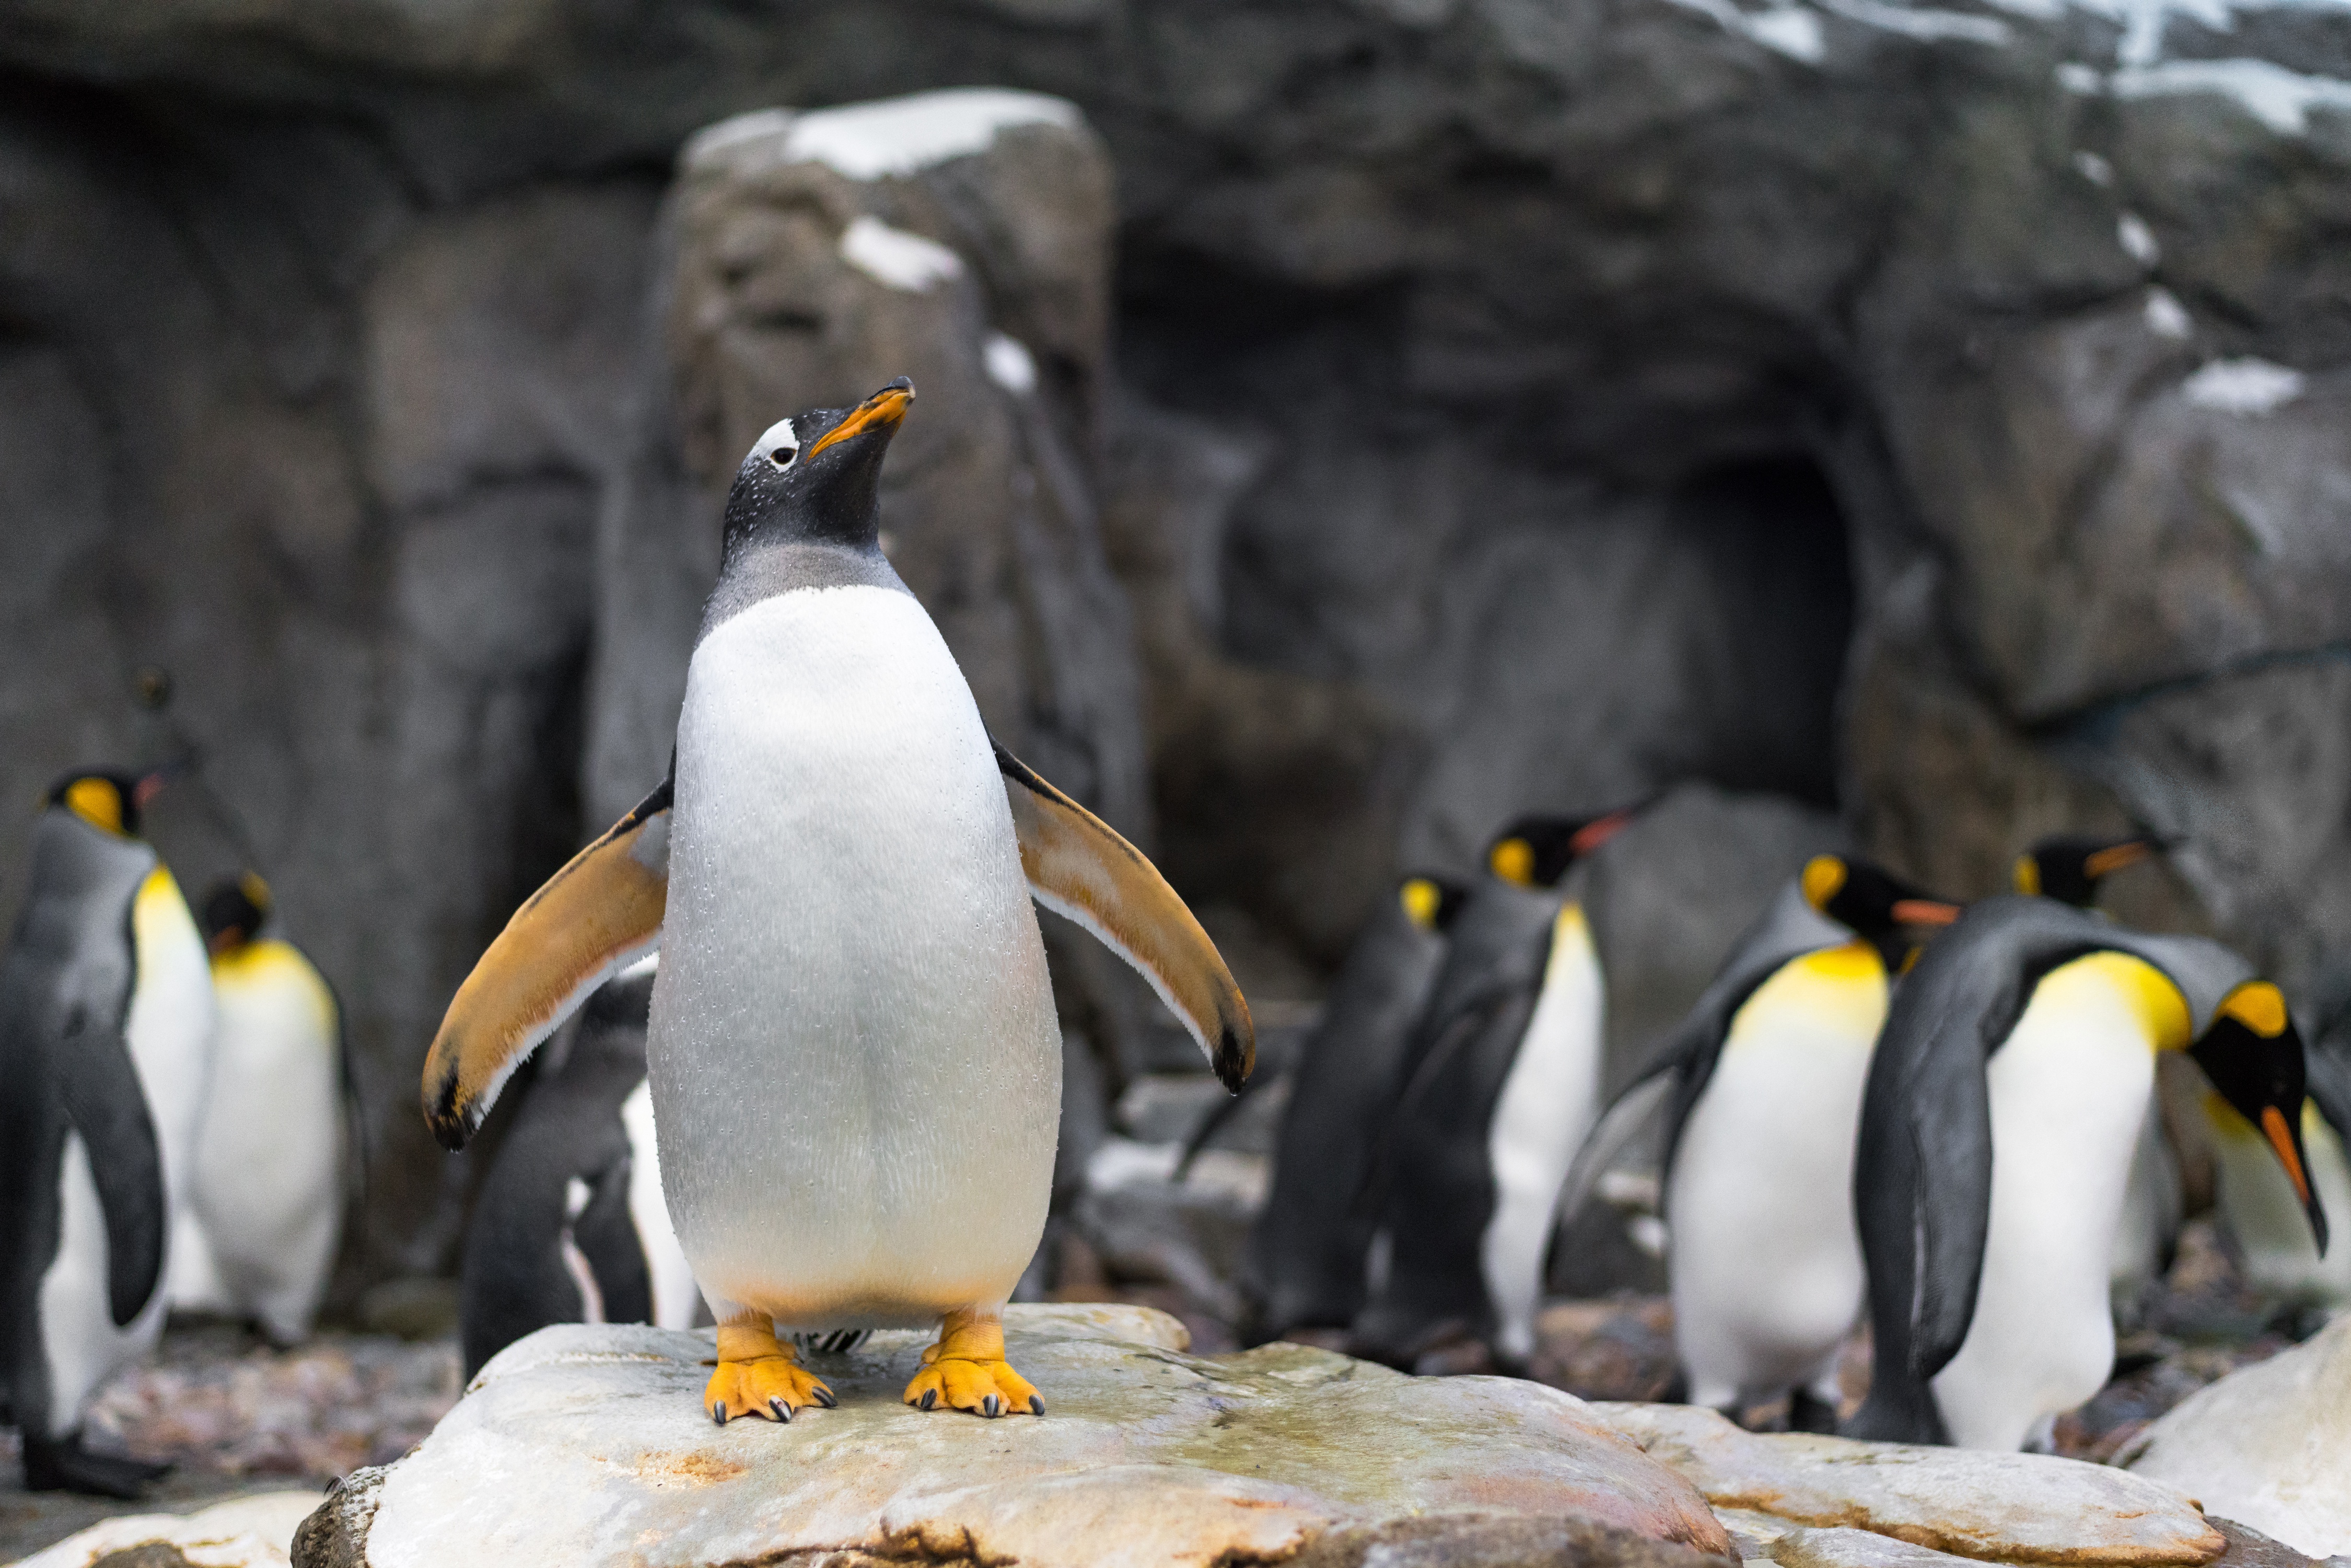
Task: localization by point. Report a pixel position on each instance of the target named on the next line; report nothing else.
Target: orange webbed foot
(966, 1371)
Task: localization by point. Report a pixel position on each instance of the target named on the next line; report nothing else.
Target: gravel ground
(233, 1414)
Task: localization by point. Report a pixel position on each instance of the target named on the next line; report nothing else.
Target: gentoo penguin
(94, 1013)
(1308, 1248)
(569, 1226)
(1501, 1082)
(268, 1183)
(853, 1054)
(1761, 1085)
(1997, 1130)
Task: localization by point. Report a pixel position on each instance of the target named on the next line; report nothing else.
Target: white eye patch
(780, 445)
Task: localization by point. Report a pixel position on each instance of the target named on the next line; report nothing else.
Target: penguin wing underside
(1079, 867)
(600, 914)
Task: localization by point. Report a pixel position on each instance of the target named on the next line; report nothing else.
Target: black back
(566, 1127)
(65, 993)
(1307, 1249)
(1922, 1170)
(1433, 1192)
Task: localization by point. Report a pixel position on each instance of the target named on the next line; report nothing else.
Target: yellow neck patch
(96, 801)
(2147, 991)
(2027, 874)
(2259, 1006)
(1421, 900)
(1823, 875)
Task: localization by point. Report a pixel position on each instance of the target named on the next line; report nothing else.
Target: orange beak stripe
(1594, 833)
(884, 408)
(2281, 1140)
(2105, 863)
(1924, 912)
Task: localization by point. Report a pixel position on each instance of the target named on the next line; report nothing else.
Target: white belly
(78, 1338)
(1546, 1107)
(854, 1060)
(674, 1289)
(2070, 1092)
(2261, 1210)
(268, 1166)
(171, 1030)
(1764, 1256)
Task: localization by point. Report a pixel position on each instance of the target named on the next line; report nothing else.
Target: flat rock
(253, 1532)
(585, 1445)
(2269, 1445)
(2013, 1508)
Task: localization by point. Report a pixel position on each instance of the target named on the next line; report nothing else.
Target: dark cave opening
(1782, 616)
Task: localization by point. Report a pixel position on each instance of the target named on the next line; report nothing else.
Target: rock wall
(1935, 415)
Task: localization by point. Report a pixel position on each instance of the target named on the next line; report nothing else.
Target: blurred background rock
(1351, 424)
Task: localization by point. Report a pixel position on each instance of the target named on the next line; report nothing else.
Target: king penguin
(1998, 1127)
(103, 1032)
(1307, 1249)
(270, 1171)
(2259, 1205)
(570, 1225)
(853, 1054)
(1499, 1085)
(1761, 1085)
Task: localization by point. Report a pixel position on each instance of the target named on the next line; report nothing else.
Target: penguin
(2069, 868)
(1762, 1088)
(570, 1225)
(2259, 1205)
(1500, 1084)
(854, 1062)
(2028, 1032)
(95, 1016)
(1308, 1246)
(268, 1181)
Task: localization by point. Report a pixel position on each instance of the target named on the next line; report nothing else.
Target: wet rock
(2269, 1445)
(1148, 1456)
(254, 1532)
(2015, 1508)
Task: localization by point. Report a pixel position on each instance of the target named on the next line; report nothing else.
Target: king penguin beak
(2286, 1139)
(1924, 912)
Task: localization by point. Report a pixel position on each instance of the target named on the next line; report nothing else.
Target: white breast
(2069, 1093)
(1765, 1257)
(854, 1062)
(268, 1166)
(79, 1339)
(171, 1030)
(1546, 1107)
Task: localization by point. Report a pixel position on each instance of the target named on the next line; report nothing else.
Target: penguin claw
(826, 1397)
(989, 1388)
(773, 1387)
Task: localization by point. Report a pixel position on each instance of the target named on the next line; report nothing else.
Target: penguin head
(1535, 852)
(2252, 1054)
(234, 912)
(817, 475)
(107, 800)
(1869, 899)
(2068, 867)
(1431, 901)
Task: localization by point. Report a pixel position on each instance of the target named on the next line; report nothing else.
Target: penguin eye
(782, 456)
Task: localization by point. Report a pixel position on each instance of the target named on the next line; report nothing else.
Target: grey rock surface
(1932, 414)
(1148, 1456)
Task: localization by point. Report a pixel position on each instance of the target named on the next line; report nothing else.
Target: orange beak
(2281, 1138)
(882, 411)
(1925, 912)
(1599, 830)
(2106, 861)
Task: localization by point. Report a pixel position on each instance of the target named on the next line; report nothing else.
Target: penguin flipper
(600, 914)
(1080, 868)
(1631, 1111)
(106, 1107)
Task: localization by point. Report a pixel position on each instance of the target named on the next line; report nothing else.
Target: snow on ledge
(2280, 99)
(2243, 386)
(895, 258)
(888, 136)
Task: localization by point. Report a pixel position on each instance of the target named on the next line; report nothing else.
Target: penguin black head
(2068, 867)
(1431, 901)
(1535, 852)
(107, 800)
(233, 912)
(1874, 902)
(817, 475)
(2253, 1056)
